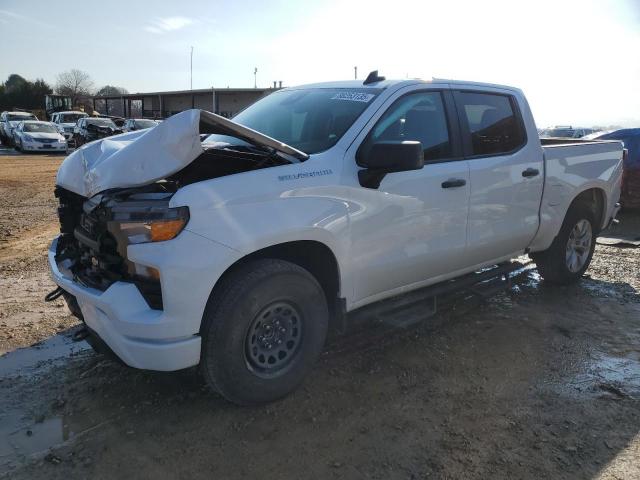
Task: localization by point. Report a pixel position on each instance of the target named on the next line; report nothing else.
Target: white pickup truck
(241, 252)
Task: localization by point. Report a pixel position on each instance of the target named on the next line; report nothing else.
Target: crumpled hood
(141, 157)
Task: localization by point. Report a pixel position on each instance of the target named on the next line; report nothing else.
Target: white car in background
(66, 121)
(9, 121)
(38, 136)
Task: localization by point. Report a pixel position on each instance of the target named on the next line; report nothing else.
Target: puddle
(18, 440)
(608, 289)
(623, 373)
(38, 358)
(605, 374)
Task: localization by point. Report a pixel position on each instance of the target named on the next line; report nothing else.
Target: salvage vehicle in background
(133, 124)
(630, 137)
(119, 121)
(240, 253)
(9, 121)
(88, 129)
(36, 136)
(66, 122)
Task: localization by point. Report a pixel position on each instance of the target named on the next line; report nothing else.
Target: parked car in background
(133, 124)
(36, 136)
(565, 132)
(119, 121)
(66, 121)
(9, 121)
(89, 128)
(630, 137)
(240, 252)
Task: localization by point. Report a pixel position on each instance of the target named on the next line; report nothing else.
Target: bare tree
(74, 83)
(110, 90)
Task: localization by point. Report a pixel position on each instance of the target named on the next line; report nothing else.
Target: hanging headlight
(151, 224)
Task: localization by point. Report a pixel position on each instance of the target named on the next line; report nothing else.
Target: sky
(576, 60)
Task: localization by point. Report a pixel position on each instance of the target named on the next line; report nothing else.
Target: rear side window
(494, 123)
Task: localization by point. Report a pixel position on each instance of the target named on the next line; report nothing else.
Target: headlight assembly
(152, 224)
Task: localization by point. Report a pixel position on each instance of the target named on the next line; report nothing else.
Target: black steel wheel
(263, 329)
(274, 338)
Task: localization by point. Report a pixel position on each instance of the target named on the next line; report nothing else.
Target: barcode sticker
(353, 96)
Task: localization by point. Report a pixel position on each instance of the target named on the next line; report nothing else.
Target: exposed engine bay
(96, 232)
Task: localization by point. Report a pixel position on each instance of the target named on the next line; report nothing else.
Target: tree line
(18, 92)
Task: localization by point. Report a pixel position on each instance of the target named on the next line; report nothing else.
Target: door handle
(530, 172)
(454, 182)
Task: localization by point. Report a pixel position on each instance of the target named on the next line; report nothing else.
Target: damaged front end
(95, 234)
(116, 192)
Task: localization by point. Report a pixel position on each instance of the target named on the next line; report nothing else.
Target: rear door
(506, 173)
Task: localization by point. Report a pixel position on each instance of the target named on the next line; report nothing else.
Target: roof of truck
(400, 82)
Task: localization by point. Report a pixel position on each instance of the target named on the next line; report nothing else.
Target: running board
(414, 307)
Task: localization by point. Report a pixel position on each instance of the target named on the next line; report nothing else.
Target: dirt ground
(535, 382)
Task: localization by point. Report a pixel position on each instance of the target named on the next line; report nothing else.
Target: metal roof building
(223, 101)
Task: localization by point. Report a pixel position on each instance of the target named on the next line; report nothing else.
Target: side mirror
(388, 157)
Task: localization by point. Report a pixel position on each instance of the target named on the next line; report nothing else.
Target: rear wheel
(569, 256)
(263, 329)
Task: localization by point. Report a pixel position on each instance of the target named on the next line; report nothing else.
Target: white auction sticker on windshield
(353, 96)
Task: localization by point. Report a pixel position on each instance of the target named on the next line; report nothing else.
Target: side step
(418, 305)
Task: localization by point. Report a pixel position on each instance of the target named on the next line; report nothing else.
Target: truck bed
(573, 166)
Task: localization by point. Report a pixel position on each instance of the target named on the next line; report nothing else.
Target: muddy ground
(536, 382)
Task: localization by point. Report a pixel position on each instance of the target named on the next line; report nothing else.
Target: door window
(494, 124)
(419, 116)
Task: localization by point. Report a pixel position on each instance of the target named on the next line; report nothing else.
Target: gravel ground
(535, 382)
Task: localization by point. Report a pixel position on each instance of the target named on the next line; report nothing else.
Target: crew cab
(66, 121)
(240, 253)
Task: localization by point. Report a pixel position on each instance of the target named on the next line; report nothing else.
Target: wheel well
(593, 198)
(313, 256)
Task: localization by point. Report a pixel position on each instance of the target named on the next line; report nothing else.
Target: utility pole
(191, 69)
(355, 73)
(255, 77)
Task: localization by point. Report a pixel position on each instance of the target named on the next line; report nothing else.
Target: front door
(413, 227)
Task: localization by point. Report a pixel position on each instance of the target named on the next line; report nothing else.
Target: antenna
(373, 77)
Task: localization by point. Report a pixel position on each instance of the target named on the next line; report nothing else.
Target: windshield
(39, 127)
(311, 120)
(102, 122)
(71, 117)
(145, 123)
(13, 118)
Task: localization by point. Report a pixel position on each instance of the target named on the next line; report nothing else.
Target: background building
(223, 101)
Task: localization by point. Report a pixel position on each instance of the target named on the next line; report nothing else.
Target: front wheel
(570, 254)
(264, 327)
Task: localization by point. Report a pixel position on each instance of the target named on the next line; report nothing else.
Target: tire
(557, 264)
(263, 329)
